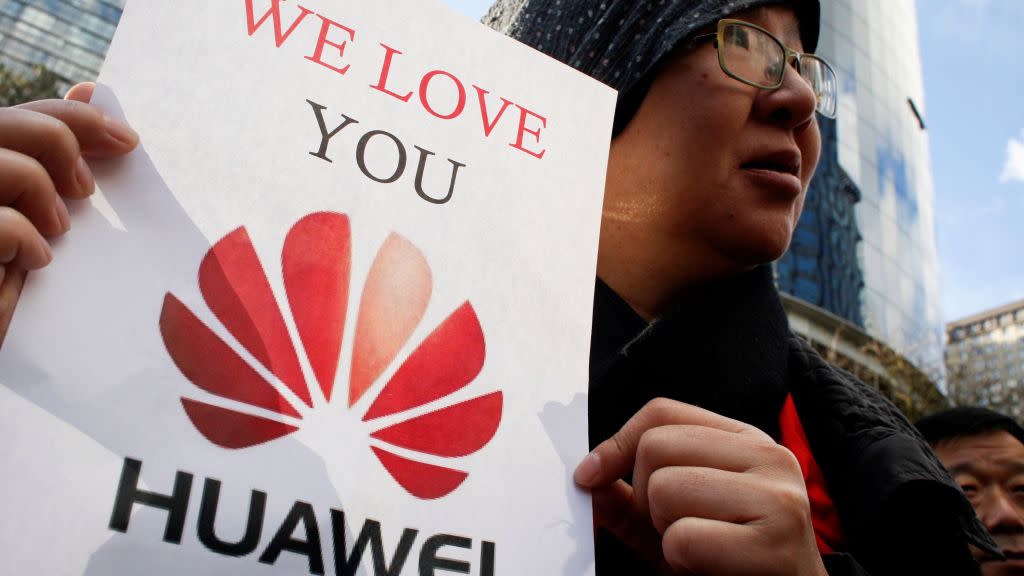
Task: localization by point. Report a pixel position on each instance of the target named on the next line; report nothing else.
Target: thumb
(81, 92)
(615, 511)
(611, 459)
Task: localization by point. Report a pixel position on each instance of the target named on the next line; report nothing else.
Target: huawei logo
(410, 419)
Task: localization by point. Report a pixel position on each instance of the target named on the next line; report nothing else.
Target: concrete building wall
(985, 359)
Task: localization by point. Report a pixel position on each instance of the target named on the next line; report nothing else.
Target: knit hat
(621, 42)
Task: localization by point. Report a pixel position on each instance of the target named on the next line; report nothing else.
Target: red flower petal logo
(316, 263)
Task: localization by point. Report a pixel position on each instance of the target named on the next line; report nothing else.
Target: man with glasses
(722, 443)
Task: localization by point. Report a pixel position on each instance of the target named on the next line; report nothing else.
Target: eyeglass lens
(823, 82)
(752, 55)
(760, 59)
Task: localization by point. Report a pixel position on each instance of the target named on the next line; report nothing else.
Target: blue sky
(474, 8)
(972, 52)
(973, 58)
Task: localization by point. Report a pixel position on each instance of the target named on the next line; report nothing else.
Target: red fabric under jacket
(827, 530)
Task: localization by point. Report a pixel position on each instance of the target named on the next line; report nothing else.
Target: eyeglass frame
(788, 55)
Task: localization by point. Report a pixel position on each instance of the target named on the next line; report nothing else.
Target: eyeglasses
(756, 57)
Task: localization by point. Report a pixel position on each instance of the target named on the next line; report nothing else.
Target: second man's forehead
(998, 452)
(984, 465)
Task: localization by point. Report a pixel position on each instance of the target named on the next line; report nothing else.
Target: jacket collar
(724, 348)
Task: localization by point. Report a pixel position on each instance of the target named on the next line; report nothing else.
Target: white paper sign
(332, 316)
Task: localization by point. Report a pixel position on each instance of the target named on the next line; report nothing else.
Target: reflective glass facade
(865, 248)
(70, 37)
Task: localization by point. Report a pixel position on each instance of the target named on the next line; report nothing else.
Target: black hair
(967, 421)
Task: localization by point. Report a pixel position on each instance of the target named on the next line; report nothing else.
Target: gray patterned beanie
(621, 42)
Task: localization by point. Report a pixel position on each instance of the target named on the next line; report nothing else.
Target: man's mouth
(1014, 554)
(783, 161)
(778, 171)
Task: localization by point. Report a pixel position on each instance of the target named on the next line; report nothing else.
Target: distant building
(985, 360)
(69, 37)
(861, 277)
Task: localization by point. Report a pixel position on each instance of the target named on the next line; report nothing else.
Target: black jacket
(729, 350)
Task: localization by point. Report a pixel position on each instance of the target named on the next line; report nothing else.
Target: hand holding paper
(43, 146)
(710, 495)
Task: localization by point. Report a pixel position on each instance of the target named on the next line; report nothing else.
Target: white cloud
(1013, 171)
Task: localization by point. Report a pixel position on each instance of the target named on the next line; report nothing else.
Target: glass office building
(865, 250)
(69, 37)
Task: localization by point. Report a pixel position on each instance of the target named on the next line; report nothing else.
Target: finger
(98, 134)
(81, 92)
(10, 288)
(21, 245)
(616, 512)
(615, 457)
(701, 446)
(51, 143)
(703, 546)
(28, 189)
(680, 491)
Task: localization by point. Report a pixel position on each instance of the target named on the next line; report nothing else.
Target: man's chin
(752, 247)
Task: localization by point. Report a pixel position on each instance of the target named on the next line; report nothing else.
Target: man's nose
(791, 105)
(1001, 515)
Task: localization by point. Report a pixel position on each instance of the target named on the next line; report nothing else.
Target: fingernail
(84, 178)
(588, 471)
(61, 210)
(121, 132)
(47, 252)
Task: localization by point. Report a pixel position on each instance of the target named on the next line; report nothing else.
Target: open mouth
(782, 162)
(1014, 555)
(777, 172)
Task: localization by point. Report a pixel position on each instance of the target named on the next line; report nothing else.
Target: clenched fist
(710, 495)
